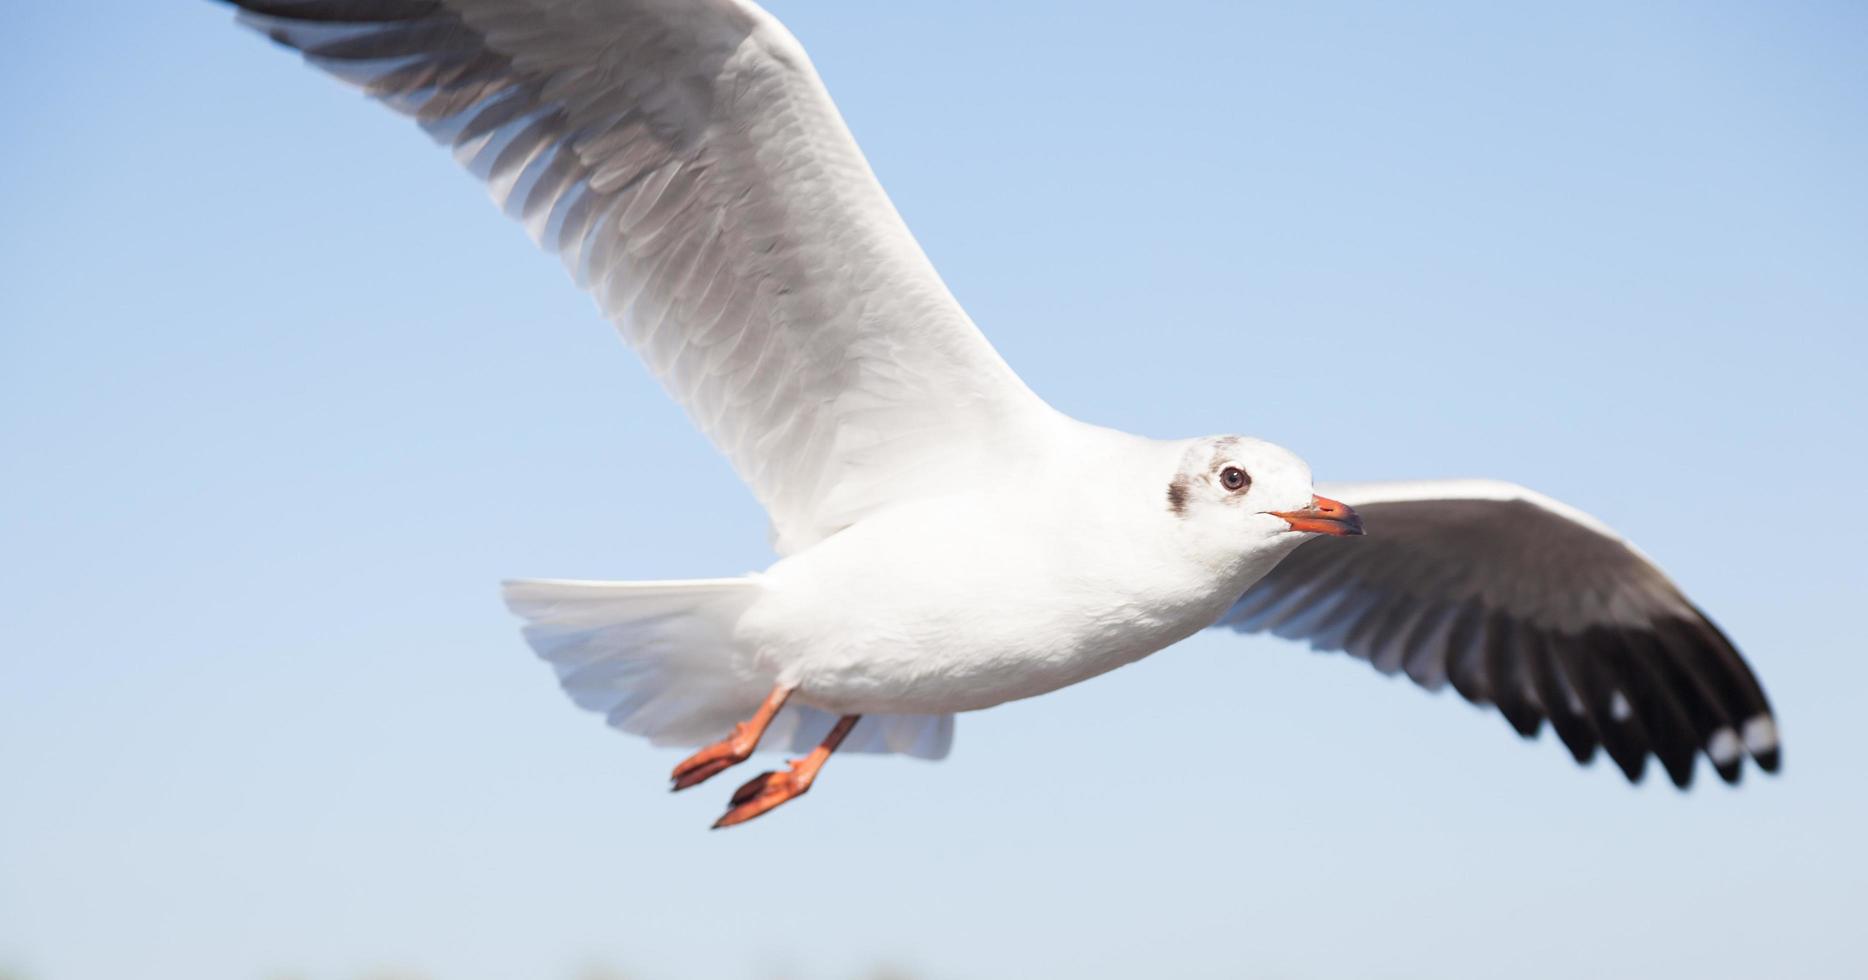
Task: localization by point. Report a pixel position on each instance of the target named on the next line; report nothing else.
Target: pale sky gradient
(282, 399)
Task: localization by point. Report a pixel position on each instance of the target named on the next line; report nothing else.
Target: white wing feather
(687, 164)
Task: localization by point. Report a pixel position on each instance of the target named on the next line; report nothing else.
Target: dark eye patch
(1177, 496)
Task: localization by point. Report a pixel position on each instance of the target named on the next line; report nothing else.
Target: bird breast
(958, 604)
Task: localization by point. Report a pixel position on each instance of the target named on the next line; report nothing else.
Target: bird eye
(1234, 479)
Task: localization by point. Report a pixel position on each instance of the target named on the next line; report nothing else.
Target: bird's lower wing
(1524, 603)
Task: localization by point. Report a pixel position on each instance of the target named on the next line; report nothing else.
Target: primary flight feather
(684, 160)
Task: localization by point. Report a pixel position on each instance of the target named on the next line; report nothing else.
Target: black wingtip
(1762, 742)
(1680, 771)
(1522, 717)
(1633, 764)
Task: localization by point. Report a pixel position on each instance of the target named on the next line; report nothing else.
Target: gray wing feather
(1520, 602)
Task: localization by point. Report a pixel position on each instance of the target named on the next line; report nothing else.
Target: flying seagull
(947, 541)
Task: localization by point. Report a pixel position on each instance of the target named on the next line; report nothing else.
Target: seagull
(946, 540)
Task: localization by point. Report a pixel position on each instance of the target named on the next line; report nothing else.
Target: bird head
(1243, 497)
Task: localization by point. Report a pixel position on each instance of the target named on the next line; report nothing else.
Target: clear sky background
(282, 399)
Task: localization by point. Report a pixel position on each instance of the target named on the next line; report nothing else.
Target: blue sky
(282, 399)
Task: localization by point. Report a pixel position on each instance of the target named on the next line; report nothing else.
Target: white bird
(939, 550)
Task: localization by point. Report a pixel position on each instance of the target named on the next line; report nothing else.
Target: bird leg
(769, 789)
(733, 749)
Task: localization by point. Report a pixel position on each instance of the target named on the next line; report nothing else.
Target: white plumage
(686, 163)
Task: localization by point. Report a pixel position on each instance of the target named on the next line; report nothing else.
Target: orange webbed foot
(731, 750)
(716, 758)
(769, 789)
(765, 791)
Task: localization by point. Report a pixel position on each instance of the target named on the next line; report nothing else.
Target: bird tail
(658, 659)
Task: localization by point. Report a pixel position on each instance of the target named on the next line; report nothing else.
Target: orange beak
(1323, 516)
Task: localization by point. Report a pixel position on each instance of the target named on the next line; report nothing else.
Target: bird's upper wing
(685, 161)
(1522, 602)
